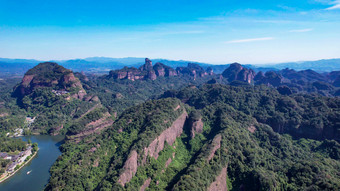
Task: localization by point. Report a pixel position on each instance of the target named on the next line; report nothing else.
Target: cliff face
(130, 168)
(148, 71)
(49, 74)
(164, 70)
(196, 127)
(216, 144)
(169, 136)
(220, 183)
(194, 70)
(153, 149)
(237, 72)
(92, 127)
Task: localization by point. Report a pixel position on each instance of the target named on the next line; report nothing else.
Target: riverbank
(21, 166)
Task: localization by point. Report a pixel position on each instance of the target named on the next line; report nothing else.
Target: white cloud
(249, 40)
(301, 30)
(335, 6)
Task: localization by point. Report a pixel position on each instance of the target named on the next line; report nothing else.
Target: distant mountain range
(325, 65)
(104, 64)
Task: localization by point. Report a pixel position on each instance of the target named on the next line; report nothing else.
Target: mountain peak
(49, 74)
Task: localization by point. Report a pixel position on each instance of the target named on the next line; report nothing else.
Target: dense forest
(158, 128)
(237, 135)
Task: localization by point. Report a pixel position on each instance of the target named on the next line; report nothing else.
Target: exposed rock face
(196, 127)
(216, 144)
(167, 163)
(152, 75)
(146, 184)
(220, 183)
(252, 129)
(80, 94)
(169, 136)
(127, 73)
(130, 169)
(192, 69)
(147, 71)
(237, 72)
(93, 127)
(164, 70)
(49, 74)
(147, 66)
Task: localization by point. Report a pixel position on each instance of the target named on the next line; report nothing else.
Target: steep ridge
(241, 150)
(220, 182)
(295, 114)
(122, 145)
(150, 145)
(152, 150)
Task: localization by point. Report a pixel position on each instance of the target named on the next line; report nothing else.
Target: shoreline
(24, 164)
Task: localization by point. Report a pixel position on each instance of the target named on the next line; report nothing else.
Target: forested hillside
(228, 139)
(158, 128)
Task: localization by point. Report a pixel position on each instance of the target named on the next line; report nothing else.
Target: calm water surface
(40, 165)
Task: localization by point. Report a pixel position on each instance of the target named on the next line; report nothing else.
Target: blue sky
(214, 31)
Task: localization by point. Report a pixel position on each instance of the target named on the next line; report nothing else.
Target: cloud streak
(335, 6)
(249, 40)
(301, 30)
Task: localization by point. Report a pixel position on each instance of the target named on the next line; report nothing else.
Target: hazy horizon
(104, 57)
(215, 32)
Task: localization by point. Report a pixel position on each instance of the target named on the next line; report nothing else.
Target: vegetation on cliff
(238, 134)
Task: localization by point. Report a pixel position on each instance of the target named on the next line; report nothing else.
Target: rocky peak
(237, 72)
(192, 69)
(147, 66)
(148, 71)
(163, 70)
(49, 74)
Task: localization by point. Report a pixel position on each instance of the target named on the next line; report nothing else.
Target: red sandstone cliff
(169, 135)
(220, 183)
(49, 74)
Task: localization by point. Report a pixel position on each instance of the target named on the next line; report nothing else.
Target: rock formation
(130, 168)
(147, 71)
(237, 72)
(169, 136)
(145, 185)
(50, 74)
(215, 144)
(192, 69)
(164, 70)
(220, 183)
(157, 145)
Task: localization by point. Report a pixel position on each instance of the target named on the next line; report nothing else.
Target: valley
(154, 127)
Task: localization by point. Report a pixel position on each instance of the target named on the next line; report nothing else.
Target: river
(39, 165)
